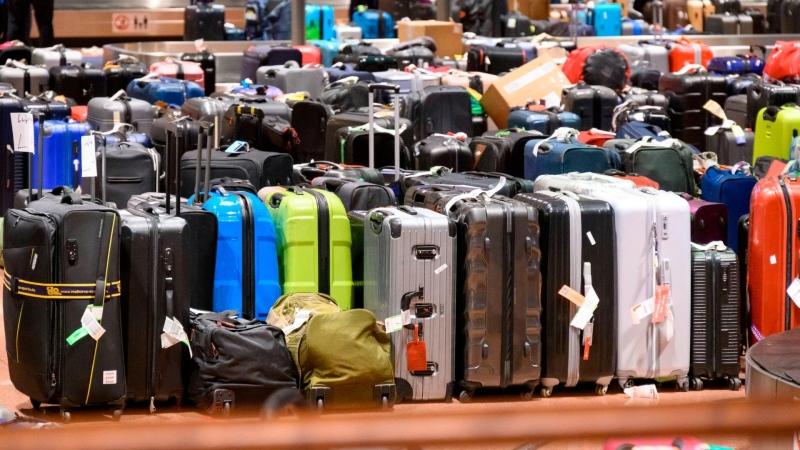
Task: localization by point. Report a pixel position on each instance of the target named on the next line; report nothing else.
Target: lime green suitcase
(313, 242)
(775, 128)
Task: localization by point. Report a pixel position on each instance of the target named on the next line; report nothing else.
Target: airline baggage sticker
(394, 323)
(571, 295)
(642, 310)
(794, 291)
(660, 303)
(586, 310)
(92, 325)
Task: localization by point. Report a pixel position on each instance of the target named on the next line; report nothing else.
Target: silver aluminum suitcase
(55, 56)
(649, 56)
(409, 264)
(24, 78)
(290, 78)
(104, 113)
(347, 33)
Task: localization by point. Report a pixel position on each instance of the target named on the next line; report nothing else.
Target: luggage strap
(562, 134)
(56, 291)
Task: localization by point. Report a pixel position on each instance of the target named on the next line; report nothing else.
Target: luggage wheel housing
(384, 395)
(223, 402)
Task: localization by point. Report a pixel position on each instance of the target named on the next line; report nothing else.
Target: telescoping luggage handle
(240, 111)
(120, 130)
(385, 87)
(204, 142)
(178, 128)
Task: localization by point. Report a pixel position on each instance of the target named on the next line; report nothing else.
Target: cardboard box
(446, 34)
(540, 79)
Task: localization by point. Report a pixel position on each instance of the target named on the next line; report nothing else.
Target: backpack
(279, 22)
(598, 65)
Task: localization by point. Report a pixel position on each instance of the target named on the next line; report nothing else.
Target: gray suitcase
(423, 244)
(646, 56)
(728, 24)
(24, 78)
(629, 28)
(203, 108)
(290, 77)
(104, 113)
(736, 109)
(54, 56)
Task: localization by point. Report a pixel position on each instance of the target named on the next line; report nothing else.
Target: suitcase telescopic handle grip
(407, 209)
(249, 110)
(384, 87)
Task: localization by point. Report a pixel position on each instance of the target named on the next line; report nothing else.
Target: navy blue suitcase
(545, 121)
(339, 71)
(563, 154)
(161, 89)
(736, 65)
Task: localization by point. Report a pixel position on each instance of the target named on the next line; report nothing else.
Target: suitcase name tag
(90, 326)
(416, 353)
(586, 305)
(238, 147)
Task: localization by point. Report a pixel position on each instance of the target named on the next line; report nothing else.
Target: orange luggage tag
(416, 354)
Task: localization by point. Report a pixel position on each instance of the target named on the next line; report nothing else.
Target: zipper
(323, 242)
(248, 256)
(652, 211)
(57, 313)
(789, 252)
(508, 295)
(575, 273)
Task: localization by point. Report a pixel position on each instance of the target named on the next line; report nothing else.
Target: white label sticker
(794, 291)
(88, 158)
(109, 377)
(529, 77)
(710, 131)
(642, 310)
(551, 100)
(91, 325)
(405, 317)
(394, 323)
(22, 131)
(773, 260)
(511, 23)
(440, 269)
(299, 319)
(585, 312)
(591, 238)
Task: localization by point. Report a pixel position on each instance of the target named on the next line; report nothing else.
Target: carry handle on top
(240, 111)
(385, 87)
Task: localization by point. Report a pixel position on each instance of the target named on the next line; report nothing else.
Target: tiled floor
(12, 399)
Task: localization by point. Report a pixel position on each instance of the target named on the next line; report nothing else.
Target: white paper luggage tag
(300, 318)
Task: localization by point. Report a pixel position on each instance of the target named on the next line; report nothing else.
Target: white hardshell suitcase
(347, 33)
(55, 56)
(409, 264)
(565, 182)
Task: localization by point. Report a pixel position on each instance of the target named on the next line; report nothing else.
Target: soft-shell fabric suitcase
(423, 242)
(545, 121)
(265, 55)
(356, 119)
(763, 95)
(775, 129)
(498, 289)
(439, 109)
(24, 78)
(356, 195)
(130, 169)
(716, 315)
(502, 151)
(558, 155)
(314, 242)
(81, 240)
(291, 78)
(502, 184)
(772, 255)
(57, 55)
(494, 59)
(515, 24)
(258, 167)
(732, 188)
(593, 104)
(687, 94)
(13, 165)
(104, 113)
(669, 162)
(572, 225)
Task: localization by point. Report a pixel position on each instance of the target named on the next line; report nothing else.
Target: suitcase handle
(371, 114)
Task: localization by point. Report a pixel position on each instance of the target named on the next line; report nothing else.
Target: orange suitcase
(772, 255)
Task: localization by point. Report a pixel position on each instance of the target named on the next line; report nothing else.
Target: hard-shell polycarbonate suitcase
(772, 255)
(106, 112)
(443, 151)
(291, 78)
(763, 95)
(265, 55)
(314, 242)
(62, 146)
(646, 56)
(309, 120)
(687, 94)
(57, 55)
(593, 104)
(498, 289)
(423, 243)
(24, 78)
(129, 169)
(729, 24)
(578, 251)
(709, 221)
(776, 127)
(732, 188)
(716, 316)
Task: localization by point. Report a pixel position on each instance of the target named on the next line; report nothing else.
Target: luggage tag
(173, 333)
(794, 291)
(90, 325)
(238, 147)
(588, 331)
(416, 354)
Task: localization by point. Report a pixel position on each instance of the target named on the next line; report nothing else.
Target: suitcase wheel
(546, 392)
(734, 383)
(465, 396)
(695, 384)
(116, 414)
(526, 394)
(625, 383)
(66, 416)
(36, 404)
(601, 389)
(682, 384)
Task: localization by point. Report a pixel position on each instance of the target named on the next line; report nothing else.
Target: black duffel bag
(237, 361)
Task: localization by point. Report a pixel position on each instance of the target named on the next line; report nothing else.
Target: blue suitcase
(731, 189)
(374, 24)
(607, 19)
(636, 130)
(545, 121)
(736, 65)
(557, 155)
(139, 138)
(319, 22)
(328, 49)
(62, 153)
(346, 70)
(168, 90)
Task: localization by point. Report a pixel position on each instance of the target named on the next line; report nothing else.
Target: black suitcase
(716, 315)
(774, 16)
(346, 97)
(764, 95)
(502, 151)
(356, 119)
(566, 357)
(306, 173)
(759, 21)
(494, 59)
(687, 95)
(644, 97)
(357, 195)
(730, 149)
(727, 6)
(438, 109)
(208, 62)
(229, 120)
(790, 17)
(78, 83)
(13, 165)
(354, 145)
(202, 224)
(498, 304)
(510, 186)
(743, 240)
(728, 24)
(258, 167)
(121, 72)
(633, 112)
(442, 150)
(736, 109)
(310, 120)
(155, 262)
(737, 85)
(593, 104)
(128, 169)
(645, 79)
(204, 21)
(366, 63)
(515, 24)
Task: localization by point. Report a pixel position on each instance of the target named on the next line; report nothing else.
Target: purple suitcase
(709, 221)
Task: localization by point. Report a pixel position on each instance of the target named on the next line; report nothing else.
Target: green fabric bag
(287, 307)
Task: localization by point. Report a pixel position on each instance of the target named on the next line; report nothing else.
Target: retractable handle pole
(396, 89)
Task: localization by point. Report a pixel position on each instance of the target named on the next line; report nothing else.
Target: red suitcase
(685, 52)
(182, 70)
(311, 54)
(595, 137)
(772, 255)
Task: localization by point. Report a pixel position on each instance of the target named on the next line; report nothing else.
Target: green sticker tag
(77, 335)
(362, 8)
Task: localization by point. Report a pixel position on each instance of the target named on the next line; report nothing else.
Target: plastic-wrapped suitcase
(24, 78)
(762, 95)
(573, 225)
(729, 146)
(62, 145)
(772, 256)
(732, 188)
(715, 316)
(203, 21)
(166, 90)
(374, 24)
(775, 129)
(494, 59)
(120, 72)
(423, 242)
(208, 62)
(266, 55)
(313, 241)
(493, 289)
(736, 65)
(687, 94)
(709, 221)
(57, 55)
(78, 83)
(563, 153)
(729, 24)
(319, 22)
(545, 121)
(246, 276)
(502, 151)
(668, 162)
(106, 112)
(292, 78)
(593, 104)
(442, 150)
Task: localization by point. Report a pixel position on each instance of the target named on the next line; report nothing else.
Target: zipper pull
(53, 380)
(152, 405)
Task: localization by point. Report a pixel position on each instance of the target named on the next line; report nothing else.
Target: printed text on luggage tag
(88, 158)
(794, 291)
(91, 325)
(642, 310)
(22, 131)
(571, 295)
(660, 303)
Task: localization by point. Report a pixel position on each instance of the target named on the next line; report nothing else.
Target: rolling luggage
(313, 242)
(668, 162)
(635, 27)
(311, 54)
(502, 184)
(319, 22)
(62, 147)
(356, 195)
(354, 145)
(14, 164)
(260, 168)
(382, 119)
(762, 95)
(563, 153)
(106, 112)
(644, 97)
(246, 273)
(24, 78)
(423, 242)
(735, 109)
(684, 53)
(122, 71)
(709, 221)
(374, 24)
(570, 227)
(715, 316)
(729, 24)
(502, 151)
(788, 17)
(632, 113)
(736, 65)
(307, 172)
(687, 94)
(291, 78)
(207, 62)
(515, 24)
(606, 18)
(181, 70)
(202, 20)
(775, 129)
(156, 89)
(543, 120)
(309, 120)
(328, 50)
(733, 188)
(125, 169)
(57, 55)
(442, 150)
(731, 146)
(494, 59)
(439, 109)
(78, 83)
(593, 104)
(637, 179)
(698, 11)
(759, 20)
(498, 289)
(265, 55)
